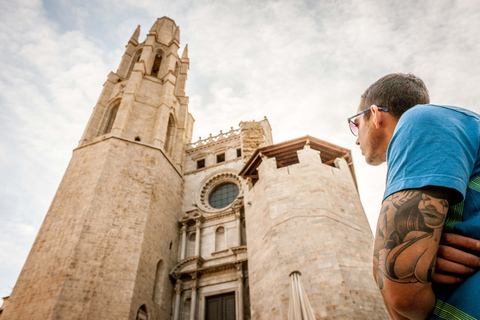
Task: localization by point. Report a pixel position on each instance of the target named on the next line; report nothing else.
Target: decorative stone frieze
(187, 265)
(213, 139)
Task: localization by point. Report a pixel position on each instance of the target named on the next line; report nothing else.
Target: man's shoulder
(432, 111)
(433, 146)
(445, 121)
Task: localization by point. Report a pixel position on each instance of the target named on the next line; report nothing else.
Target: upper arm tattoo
(408, 232)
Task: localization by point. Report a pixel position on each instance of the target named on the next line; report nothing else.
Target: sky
(303, 64)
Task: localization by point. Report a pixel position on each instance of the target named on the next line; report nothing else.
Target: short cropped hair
(397, 92)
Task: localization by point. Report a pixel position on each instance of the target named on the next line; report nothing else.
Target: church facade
(148, 225)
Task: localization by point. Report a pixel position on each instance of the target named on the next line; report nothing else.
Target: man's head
(386, 100)
(397, 92)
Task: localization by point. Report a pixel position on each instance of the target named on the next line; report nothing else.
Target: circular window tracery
(223, 195)
(219, 191)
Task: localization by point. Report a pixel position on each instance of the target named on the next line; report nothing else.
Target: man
(433, 186)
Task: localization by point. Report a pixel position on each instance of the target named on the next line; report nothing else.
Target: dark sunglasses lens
(353, 128)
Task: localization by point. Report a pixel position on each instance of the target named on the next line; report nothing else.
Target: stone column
(178, 292)
(184, 242)
(193, 298)
(197, 237)
(239, 226)
(240, 291)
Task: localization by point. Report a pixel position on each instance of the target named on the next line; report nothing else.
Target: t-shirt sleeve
(432, 146)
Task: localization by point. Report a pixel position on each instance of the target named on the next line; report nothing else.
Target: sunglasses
(354, 126)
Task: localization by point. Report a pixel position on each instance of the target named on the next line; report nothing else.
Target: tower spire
(155, 26)
(136, 34)
(185, 52)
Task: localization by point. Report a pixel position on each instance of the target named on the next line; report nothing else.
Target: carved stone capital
(239, 267)
(198, 223)
(194, 283)
(178, 287)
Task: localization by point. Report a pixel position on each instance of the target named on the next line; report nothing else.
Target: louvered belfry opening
(156, 65)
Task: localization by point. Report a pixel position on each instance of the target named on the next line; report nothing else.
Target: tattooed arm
(408, 234)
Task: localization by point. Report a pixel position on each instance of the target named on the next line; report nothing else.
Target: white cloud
(49, 83)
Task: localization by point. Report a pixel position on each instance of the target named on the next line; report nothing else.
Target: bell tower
(110, 237)
(145, 99)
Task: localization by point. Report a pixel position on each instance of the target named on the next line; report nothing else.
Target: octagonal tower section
(303, 213)
(110, 235)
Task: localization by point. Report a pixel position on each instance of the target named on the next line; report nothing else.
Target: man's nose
(356, 142)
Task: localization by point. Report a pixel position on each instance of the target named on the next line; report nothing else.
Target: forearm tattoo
(409, 226)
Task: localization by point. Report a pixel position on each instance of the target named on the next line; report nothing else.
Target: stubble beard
(377, 155)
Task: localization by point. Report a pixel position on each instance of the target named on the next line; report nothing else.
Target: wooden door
(220, 307)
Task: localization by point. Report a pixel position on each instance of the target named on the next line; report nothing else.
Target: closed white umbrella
(299, 307)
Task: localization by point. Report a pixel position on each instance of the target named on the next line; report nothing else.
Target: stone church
(148, 225)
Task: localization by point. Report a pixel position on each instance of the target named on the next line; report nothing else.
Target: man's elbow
(397, 300)
(415, 300)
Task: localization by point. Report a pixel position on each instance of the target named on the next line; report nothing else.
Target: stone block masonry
(113, 218)
(308, 217)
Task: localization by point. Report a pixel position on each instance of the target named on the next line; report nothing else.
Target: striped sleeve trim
(446, 311)
(475, 184)
(454, 216)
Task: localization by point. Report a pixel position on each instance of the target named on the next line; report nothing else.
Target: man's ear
(376, 116)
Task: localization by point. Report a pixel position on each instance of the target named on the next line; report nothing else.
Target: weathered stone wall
(195, 180)
(254, 135)
(218, 272)
(308, 217)
(113, 218)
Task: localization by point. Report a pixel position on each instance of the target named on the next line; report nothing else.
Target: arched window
(142, 313)
(220, 239)
(109, 120)
(170, 134)
(156, 65)
(191, 245)
(136, 58)
(159, 281)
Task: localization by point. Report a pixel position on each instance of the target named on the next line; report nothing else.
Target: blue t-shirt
(440, 146)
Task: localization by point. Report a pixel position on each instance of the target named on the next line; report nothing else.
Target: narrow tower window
(110, 119)
(220, 239)
(170, 135)
(136, 58)
(239, 153)
(156, 65)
